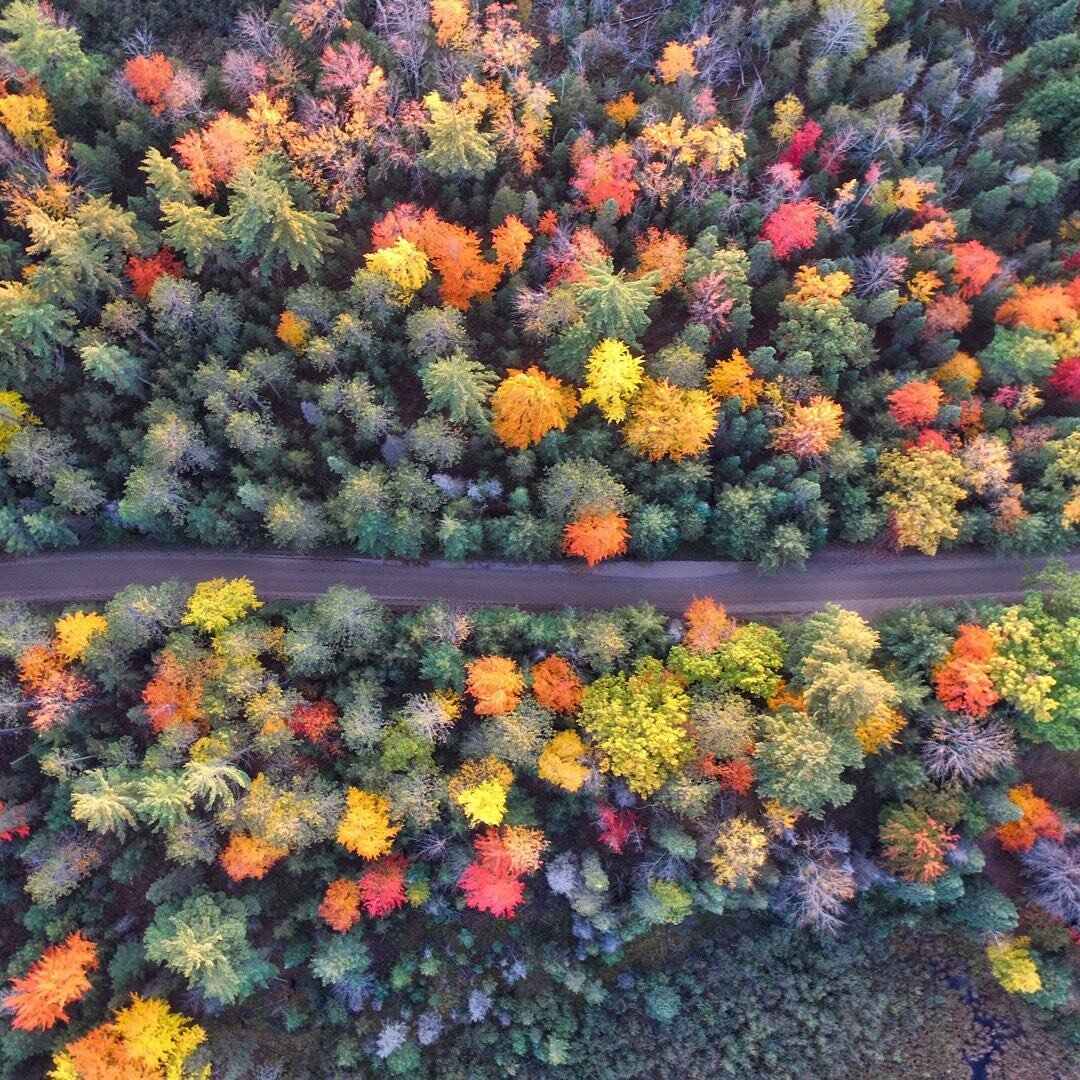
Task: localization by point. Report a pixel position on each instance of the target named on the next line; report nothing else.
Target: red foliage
(142, 273)
(15, 824)
(556, 685)
(174, 694)
(934, 439)
(915, 404)
(802, 143)
(488, 889)
(1066, 378)
(54, 981)
(618, 828)
(150, 77)
(382, 887)
(792, 227)
(314, 720)
(604, 172)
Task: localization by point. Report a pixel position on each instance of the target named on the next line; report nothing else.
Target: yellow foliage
(879, 731)
(293, 330)
(28, 117)
(217, 604)
(669, 421)
(365, 827)
(403, 265)
(622, 110)
(778, 818)
(922, 491)
(734, 377)
(450, 19)
(676, 60)
(14, 414)
(740, 851)
(1012, 965)
(560, 762)
(923, 285)
(479, 788)
(827, 290)
(788, 116)
(961, 368)
(612, 377)
(75, 632)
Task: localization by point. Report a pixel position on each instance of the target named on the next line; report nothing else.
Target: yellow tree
(809, 430)
(404, 265)
(671, 421)
(528, 404)
(922, 491)
(612, 377)
(217, 604)
(365, 827)
(75, 632)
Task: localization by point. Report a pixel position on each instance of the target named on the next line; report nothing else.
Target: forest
(326, 839)
(584, 280)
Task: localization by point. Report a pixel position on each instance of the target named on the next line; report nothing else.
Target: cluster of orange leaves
(556, 685)
(55, 980)
(314, 720)
(809, 430)
(603, 173)
(455, 251)
(1039, 819)
(963, 682)
(215, 153)
(496, 684)
(528, 404)
(50, 684)
(1040, 307)
(174, 694)
(596, 536)
(708, 625)
(493, 882)
(249, 857)
(151, 77)
(915, 404)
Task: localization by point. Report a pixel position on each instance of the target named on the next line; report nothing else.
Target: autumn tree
(249, 857)
(496, 684)
(740, 851)
(638, 722)
(915, 404)
(1037, 819)
(807, 431)
(528, 404)
(612, 377)
(916, 843)
(150, 77)
(708, 625)
(340, 905)
(480, 788)
(556, 685)
(922, 491)
(55, 980)
(75, 632)
(365, 827)
(668, 421)
(963, 682)
(509, 241)
(604, 173)
(561, 762)
(596, 537)
(219, 603)
(974, 267)
(382, 886)
(792, 227)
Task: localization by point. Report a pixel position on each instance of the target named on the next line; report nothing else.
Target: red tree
(915, 404)
(604, 172)
(976, 266)
(150, 77)
(142, 273)
(1066, 378)
(382, 887)
(792, 227)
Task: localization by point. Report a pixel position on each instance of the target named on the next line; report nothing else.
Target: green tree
(457, 147)
(49, 51)
(461, 386)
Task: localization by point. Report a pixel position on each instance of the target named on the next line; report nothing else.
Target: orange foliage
(809, 430)
(963, 682)
(293, 330)
(946, 314)
(142, 273)
(556, 685)
(497, 685)
(792, 227)
(217, 152)
(676, 60)
(736, 776)
(174, 694)
(509, 241)
(453, 250)
(1040, 307)
(340, 907)
(528, 404)
(915, 403)
(671, 421)
(708, 625)
(595, 537)
(622, 110)
(487, 890)
(604, 172)
(492, 881)
(150, 77)
(734, 377)
(664, 252)
(1039, 819)
(54, 981)
(976, 266)
(382, 887)
(249, 857)
(50, 684)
